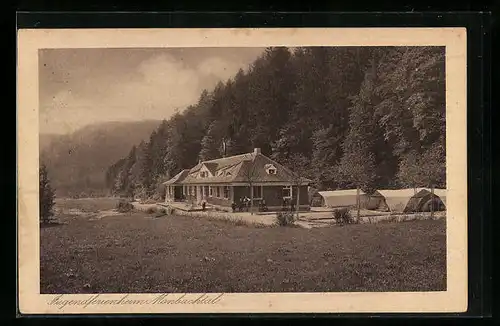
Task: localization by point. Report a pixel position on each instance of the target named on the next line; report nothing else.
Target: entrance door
(177, 193)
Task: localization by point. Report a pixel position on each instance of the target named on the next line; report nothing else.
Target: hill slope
(77, 162)
(46, 139)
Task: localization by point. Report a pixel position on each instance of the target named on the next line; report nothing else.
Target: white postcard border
(452, 300)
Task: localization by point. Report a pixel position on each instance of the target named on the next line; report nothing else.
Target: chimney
(256, 151)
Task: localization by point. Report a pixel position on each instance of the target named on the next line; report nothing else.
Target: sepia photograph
(180, 175)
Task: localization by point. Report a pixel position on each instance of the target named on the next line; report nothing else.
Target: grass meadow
(137, 253)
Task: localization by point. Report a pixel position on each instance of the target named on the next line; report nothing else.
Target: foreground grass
(132, 253)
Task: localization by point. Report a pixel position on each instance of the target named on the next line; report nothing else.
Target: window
(257, 192)
(226, 192)
(270, 169)
(210, 191)
(287, 192)
(203, 174)
(217, 192)
(205, 190)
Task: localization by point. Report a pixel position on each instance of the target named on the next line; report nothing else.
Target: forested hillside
(372, 117)
(77, 163)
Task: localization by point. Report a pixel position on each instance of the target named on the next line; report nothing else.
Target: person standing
(240, 204)
(247, 203)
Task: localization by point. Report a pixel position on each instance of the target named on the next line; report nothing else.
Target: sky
(79, 87)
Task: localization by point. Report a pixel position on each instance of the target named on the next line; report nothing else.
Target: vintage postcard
(280, 170)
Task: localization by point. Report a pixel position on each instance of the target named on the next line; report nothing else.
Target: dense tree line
(357, 116)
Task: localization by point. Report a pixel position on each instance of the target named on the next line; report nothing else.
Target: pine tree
(47, 195)
(210, 144)
(124, 183)
(327, 151)
(357, 165)
(409, 173)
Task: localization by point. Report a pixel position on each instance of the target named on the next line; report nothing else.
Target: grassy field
(138, 253)
(86, 204)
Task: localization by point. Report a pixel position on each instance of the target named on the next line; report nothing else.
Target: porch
(266, 197)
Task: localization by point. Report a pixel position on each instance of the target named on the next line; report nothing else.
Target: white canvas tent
(398, 199)
(374, 201)
(340, 198)
(408, 200)
(347, 198)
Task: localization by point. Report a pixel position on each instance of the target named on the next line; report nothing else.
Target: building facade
(222, 182)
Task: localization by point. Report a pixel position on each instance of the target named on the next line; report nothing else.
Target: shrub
(285, 218)
(150, 210)
(157, 196)
(124, 206)
(343, 216)
(161, 212)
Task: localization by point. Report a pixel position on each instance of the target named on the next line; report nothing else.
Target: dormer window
(203, 174)
(270, 169)
(228, 174)
(220, 173)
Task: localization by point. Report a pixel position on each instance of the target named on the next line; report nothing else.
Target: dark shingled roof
(238, 168)
(179, 177)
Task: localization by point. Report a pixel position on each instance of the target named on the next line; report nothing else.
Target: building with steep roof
(224, 181)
